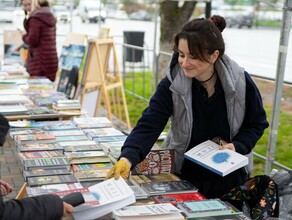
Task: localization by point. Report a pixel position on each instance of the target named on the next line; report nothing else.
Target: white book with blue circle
(222, 162)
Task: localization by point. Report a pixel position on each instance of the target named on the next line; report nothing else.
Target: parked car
(140, 15)
(62, 13)
(240, 21)
(6, 15)
(92, 11)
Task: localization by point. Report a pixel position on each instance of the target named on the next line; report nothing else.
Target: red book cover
(175, 198)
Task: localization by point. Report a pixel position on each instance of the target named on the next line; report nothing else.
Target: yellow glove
(121, 168)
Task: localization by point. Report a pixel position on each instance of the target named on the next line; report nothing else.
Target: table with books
(75, 155)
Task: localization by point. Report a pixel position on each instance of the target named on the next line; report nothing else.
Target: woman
(41, 39)
(206, 95)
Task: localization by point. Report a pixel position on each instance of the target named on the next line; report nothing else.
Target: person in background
(40, 37)
(44, 207)
(206, 95)
(26, 4)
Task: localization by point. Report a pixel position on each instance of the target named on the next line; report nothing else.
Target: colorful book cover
(96, 166)
(161, 177)
(38, 154)
(91, 174)
(29, 138)
(157, 161)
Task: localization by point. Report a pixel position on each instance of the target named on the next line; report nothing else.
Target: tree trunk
(172, 18)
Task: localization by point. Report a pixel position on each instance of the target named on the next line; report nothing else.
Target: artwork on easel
(71, 55)
(68, 81)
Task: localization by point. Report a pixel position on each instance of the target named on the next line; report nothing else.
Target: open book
(222, 162)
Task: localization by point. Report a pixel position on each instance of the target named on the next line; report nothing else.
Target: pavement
(11, 167)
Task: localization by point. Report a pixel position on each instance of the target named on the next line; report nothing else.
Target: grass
(283, 153)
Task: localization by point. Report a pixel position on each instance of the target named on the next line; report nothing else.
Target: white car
(62, 13)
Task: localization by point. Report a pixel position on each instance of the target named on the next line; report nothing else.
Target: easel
(100, 75)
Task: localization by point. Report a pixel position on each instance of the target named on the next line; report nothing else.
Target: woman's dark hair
(203, 36)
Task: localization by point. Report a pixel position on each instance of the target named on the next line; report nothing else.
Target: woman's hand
(5, 188)
(68, 209)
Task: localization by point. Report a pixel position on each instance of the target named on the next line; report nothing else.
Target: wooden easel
(102, 73)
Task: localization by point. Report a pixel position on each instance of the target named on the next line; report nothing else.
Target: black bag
(258, 196)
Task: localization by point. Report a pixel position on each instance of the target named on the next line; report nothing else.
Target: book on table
(158, 160)
(23, 156)
(35, 138)
(92, 122)
(78, 157)
(179, 197)
(51, 188)
(43, 172)
(221, 162)
(91, 174)
(206, 208)
(56, 179)
(111, 195)
(148, 178)
(149, 212)
(171, 187)
(47, 163)
(39, 147)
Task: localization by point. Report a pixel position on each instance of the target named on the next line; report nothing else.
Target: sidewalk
(11, 167)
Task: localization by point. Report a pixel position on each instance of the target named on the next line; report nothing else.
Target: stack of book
(71, 106)
(100, 135)
(92, 122)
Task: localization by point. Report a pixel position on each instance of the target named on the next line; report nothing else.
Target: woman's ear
(214, 56)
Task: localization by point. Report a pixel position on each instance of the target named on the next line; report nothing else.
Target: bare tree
(173, 15)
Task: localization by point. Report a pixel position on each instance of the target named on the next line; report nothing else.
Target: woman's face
(193, 67)
(27, 5)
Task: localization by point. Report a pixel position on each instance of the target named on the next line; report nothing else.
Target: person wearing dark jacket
(206, 95)
(44, 207)
(40, 37)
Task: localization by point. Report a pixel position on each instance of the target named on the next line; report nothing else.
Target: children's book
(179, 197)
(157, 161)
(172, 187)
(221, 162)
(53, 179)
(206, 208)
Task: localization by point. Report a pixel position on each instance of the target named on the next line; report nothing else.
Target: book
(51, 188)
(157, 161)
(221, 162)
(24, 131)
(23, 156)
(92, 122)
(87, 157)
(102, 132)
(43, 172)
(96, 166)
(113, 195)
(76, 147)
(59, 133)
(112, 147)
(179, 197)
(91, 174)
(47, 163)
(160, 188)
(53, 179)
(206, 208)
(35, 138)
(71, 138)
(39, 147)
(139, 192)
(102, 139)
(147, 178)
(148, 212)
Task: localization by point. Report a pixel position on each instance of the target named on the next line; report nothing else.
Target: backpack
(283, 179)
(258, 197)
